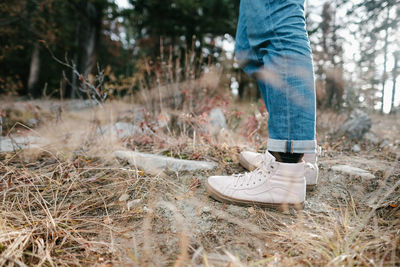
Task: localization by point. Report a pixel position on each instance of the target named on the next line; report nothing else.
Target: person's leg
(276, 34)
(277, 31)
(244, 53)
(276, 49)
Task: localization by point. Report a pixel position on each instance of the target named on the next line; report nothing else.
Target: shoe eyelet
(259, 180)
(254, 182)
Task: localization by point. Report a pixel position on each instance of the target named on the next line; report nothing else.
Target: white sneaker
(253, 160)
(273, 184)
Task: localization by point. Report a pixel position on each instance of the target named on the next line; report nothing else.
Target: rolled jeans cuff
(292, 146)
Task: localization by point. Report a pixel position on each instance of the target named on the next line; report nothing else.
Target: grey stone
(146, 209)
(217, 118)
(138, 115)
(316, 206)
(237, 211)
(163, 120)
(132, 203)
(32, 122)
(206, 209)
(123, 197)
(371, 138)
(356, 148)
(353, 171)
(120, 129)
(356, 125)
(77, 105)
(19, 142)
(384, 144)
(145, 162)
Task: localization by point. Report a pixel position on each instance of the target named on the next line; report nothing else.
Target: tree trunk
(34, 71)
(74, 89)
(395, 74)
(89, 59)
(385, 52)
(92, 32)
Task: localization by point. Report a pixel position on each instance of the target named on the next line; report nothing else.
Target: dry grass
(61, 204)
(71, 203)
(53, 211)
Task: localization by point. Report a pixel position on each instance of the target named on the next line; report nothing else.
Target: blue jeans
(272, 45)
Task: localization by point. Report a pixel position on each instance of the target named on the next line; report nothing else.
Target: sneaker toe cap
(248, 154)
(217, 183)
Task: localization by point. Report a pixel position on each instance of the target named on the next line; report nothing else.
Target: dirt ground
(72, 203)
(346, 220)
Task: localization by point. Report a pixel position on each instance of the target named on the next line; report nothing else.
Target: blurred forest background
(49, 46)
(102, 100)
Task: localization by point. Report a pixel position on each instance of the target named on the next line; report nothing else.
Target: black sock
(287, 157)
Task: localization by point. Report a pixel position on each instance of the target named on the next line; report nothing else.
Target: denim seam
(285, 70)
(297, 146)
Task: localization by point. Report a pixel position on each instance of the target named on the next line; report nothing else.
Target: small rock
(384, 144)
(146, 209)
(32, 122)
(19, 142)
(237, 211)
(163, 120)
(356, 125)
(356, 148)
(120, 129)
(316, 206)
(123, 197)
(217, 119)
(138, 116)
(338, 194)
(285, 211)
(251, 210)
(151, 163)
(371, 138)
(77, 105)
(108, 220)
(350, 170)
(132, 203)
(206, 209)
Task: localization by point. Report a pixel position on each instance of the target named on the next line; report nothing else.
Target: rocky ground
(73, 193)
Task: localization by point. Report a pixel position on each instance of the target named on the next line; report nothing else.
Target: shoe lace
(246, 178)
(249, 177)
